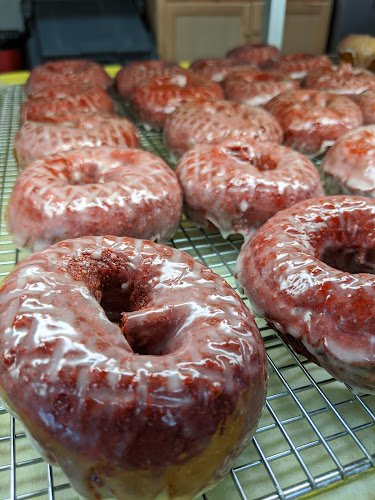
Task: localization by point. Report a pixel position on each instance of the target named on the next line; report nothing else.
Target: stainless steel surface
(314, 431)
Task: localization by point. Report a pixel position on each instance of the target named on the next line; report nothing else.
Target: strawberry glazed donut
(70, 131)
(209, 121)
(366, 102)
(256, 89)
(309, 271)
(66, 99)
(253, 52)
(66, 72)
(94, 191)
(236, 185)
(134, 73)
(218, 69)
(342, 79)
(297, 66)
(349, 165)
(313, 120)
(155, 403)
(153, 100)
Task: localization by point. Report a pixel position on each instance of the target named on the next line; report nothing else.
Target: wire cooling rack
(314, 431)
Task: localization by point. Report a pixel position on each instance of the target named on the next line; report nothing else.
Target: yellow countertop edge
(341, 490)
(20, 77)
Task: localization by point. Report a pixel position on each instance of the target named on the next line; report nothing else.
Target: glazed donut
(313, 120)
(349, 165)
(254, 52)
(310, 272)
(209, 121)
(358, 50)
(218, 68)
(65, 99)
(256, 89)
(72, 130)
(236, 185)
(134, 73)
(158, 405)
(66, 72)
(297, 66)
(342, 79)
(94, 191)
(366, 102)
(156, 98)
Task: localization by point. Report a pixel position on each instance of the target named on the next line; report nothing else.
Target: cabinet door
(306, 26)
(187, 30)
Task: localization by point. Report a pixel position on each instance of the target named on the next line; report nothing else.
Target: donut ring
(366, 102)
(358, 50)
(66, 72)
(65, 99)
(210, 121)
(155, 99)
(70, 131)
(132, 74)
(297, 66)
(310, 272)
(349, 165)
(218, 68)
(313, 120)
(236, 185)
(342, 79)
(94, 191)
(186, 365)
(255, 52)
(256, 89)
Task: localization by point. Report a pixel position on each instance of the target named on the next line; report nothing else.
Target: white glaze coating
(343, 79)
(310, 272)
(66, 72)
(297, 66)
(124, 192)
(219, 68)
(256, 89)
(312, 119)
(134, 73)
(349, 166)
(237, 184)
(157, 97)
(366, 102)
(206, 121)
(168, 421)
(73, 130)
(65, 99)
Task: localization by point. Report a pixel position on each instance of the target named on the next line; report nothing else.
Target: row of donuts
(106, 414)
(159, 400)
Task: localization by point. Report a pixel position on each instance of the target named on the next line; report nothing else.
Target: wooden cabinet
(306, 26)
(187, 30)
(190, 29)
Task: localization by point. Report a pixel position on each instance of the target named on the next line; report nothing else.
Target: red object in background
(10, 60)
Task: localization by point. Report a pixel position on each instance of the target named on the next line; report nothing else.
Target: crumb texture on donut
(310, 272)
(156, 402)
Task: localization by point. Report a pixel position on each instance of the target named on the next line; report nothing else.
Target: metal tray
(314, 432)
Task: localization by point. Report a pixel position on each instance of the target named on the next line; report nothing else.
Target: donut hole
(353, 260)
(247, 155)
(86, 173)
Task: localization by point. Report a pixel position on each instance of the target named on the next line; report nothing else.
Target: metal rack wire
(314, 431)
